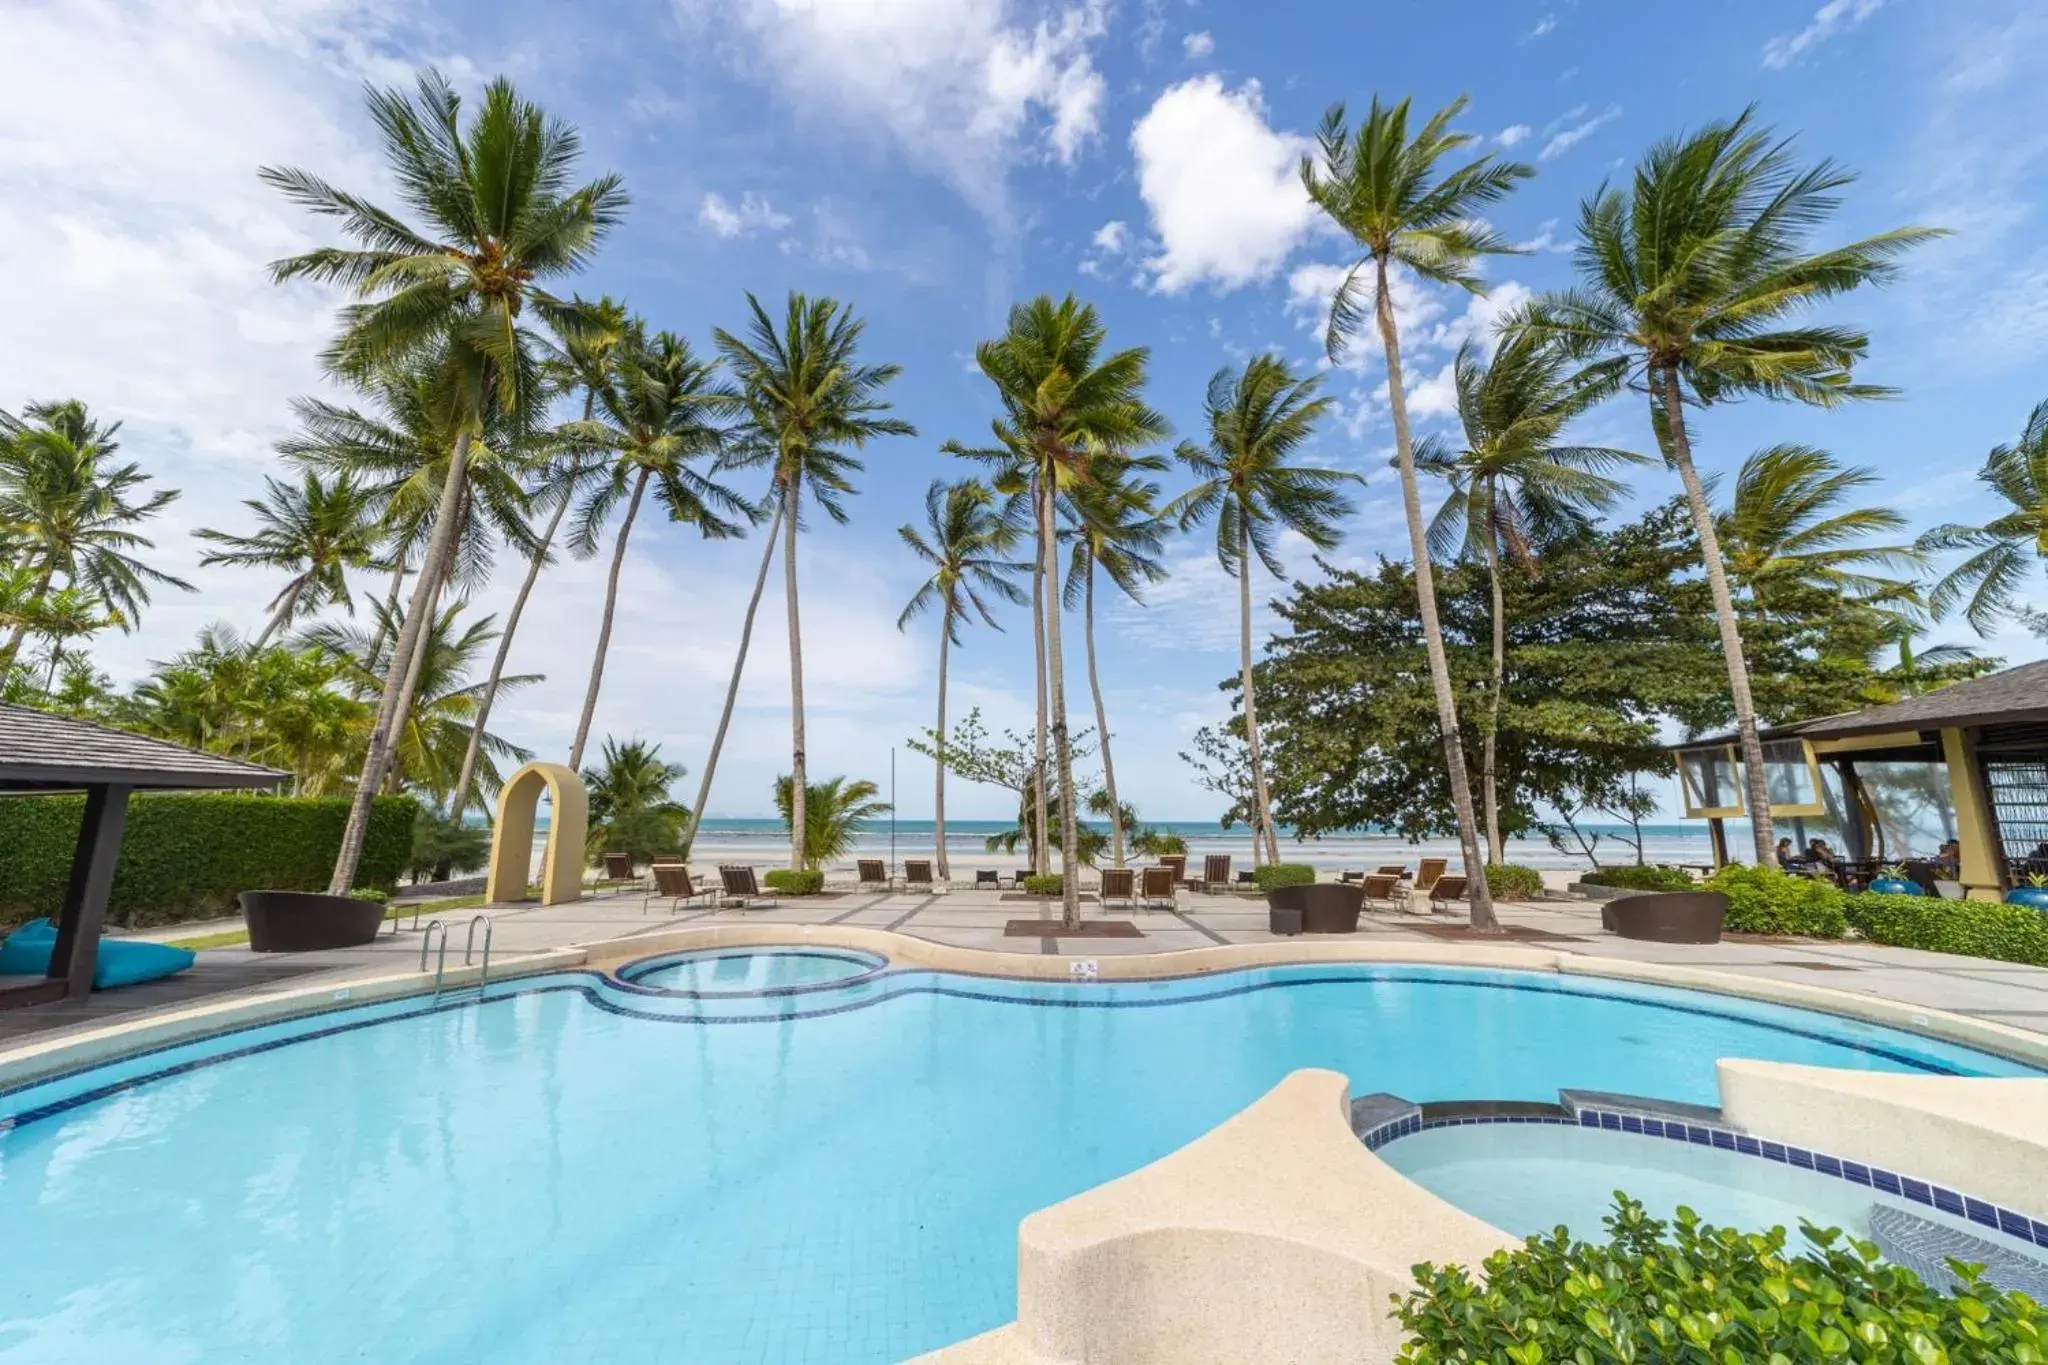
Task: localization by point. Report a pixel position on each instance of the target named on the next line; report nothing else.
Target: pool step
(1379, 1118)
(1926, 1248)
(1642, 1106)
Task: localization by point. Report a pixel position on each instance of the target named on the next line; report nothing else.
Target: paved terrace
(2002, 992)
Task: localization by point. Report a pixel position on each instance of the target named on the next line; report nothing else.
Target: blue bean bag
(122, 962)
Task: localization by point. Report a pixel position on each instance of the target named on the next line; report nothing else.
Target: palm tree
(631, 811)
(1382, 188)
(806, 402)
(1782, 529)
(502, 215)
(835, 813)
(657, 406)
(2003, 548)
(1115, 528)
(1259, 418)
(968, 538)
(580, 364)
(1690, 280)
(1066, 406)
(68, 508)
(1514, 485)
(318, 530)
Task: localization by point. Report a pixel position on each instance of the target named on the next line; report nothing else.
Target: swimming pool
(583, 1170)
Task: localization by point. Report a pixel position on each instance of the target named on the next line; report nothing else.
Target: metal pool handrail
(469, 944)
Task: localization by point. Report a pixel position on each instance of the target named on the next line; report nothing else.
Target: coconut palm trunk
(401, 668)
(1489, 795)
(483, 712)
(797, 778)
(945, 869)
(732, 688)
(1063, 751)
(1755, 781)
(1480, 898)
(1041, 851)
(281, 615)
(390, 605)
(1264, 841)
(1116, 811)
(604, 625)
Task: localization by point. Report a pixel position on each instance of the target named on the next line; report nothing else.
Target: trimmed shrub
(1045, 884)
(1513, 882)
(1764, 900)
(790, 881)
(1693, 1293)
(185, 856)
(370, 893)
(2005, 933)
(1273, 876)
(1641, 878)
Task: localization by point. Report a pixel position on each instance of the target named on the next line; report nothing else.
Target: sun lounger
(618, 867)
(1156, 887)
(1215, 874)
(1119, 884)
(1395, 870)
(742, 891)
(874, 876)
(1381, 886)
(672, 884)
(1425, 879)
(917, 876)
(1178, 862)
(988, 876)
(1446, 892)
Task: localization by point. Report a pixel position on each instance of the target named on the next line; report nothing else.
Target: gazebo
(1967, 762)
(43, 753)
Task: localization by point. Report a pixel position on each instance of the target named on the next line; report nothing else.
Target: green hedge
(185, 856)
(1700, 1295)
(1641, 878)
(1273, 876)
(790, 881)
(1513, 882)
(1763, 900)
(2005, 933)
(1047, 884)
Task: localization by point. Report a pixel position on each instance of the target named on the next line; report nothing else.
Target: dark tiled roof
(39, 750)
(2016, 694)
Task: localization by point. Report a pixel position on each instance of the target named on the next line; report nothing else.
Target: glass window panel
(1786, 775)
(1914, 812)
(1709, 776)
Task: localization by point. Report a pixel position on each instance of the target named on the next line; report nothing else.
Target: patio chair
(1215, 873)
(1446, 892)
(742, 891)
(1118, 884)
(618, 867)
(672, 859)
(1395, 870)
(672, 884)
(1350, 876)
(987, 876)
(874, 876)
(1381, 886)
(1155, 889)
(917, 875)
(1427, 875)
(1178, 862)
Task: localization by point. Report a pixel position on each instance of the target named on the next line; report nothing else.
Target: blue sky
(931, 161)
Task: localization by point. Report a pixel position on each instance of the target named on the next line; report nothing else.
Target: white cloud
(1546, 239)
(1221, 185)
(1113, 236)
(1312, 286)
(963, 86)
(1197, 46)
(1543, 26)
(1434, 395)
(1513, 133)
(1836, 16)
(1567, 138)
(1482, 316)
(752, 214)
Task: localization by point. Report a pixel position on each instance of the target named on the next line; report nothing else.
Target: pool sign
(1084, 967)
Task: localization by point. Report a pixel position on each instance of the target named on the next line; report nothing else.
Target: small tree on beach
(834, 811)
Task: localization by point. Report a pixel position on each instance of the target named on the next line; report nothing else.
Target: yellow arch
(561, 872)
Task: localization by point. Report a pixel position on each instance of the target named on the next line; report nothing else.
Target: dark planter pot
(1324, 908)
(1894, 886)
(303, 922)
(1667, 916)
(2033, 897)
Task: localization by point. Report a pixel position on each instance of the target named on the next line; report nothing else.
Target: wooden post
(1717, 830)
(77, 949)
(1983, 855)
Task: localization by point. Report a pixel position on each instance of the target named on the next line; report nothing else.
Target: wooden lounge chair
(742, 891)
(987, 876)
(672, 859)
(1381, 886)
(1426, 879)
(1350, 876)
(874, 876)
(1446, 892)
(1119, 884)
(917, 876)
(1215, 874)
(672, 884)
(1156, 887)
(1178, 862)
(1395, 870)
(618, 867)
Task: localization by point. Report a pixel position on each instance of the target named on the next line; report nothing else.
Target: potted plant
(305, 921)
(2033, 895)
(1893, 881)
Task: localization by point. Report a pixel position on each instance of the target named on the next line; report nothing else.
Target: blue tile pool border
(1982, 1212)
(875, 988)
(627, 977)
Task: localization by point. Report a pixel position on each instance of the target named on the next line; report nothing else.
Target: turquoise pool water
(730, 971)
(571, 1171)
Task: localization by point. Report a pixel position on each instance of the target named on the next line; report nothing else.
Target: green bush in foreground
(788, 881)
(2006, 933)
(1045, 884)
(1691, 1294)
(1763, 900)
(1273, 876)
(1642, 878)
(371, 893)
(1513, 882)
(186, 856)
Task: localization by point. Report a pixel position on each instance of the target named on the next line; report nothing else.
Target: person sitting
(1787, 860)
(1818, 852)
(1948, 863)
